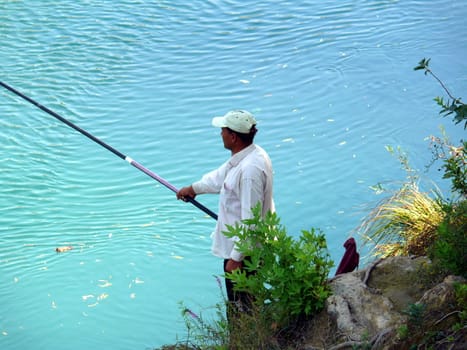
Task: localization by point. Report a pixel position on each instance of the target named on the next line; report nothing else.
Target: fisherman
(242, 181)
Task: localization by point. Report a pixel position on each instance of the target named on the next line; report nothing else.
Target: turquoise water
(331, 83)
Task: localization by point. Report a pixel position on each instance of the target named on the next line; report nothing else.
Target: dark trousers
(238, 301)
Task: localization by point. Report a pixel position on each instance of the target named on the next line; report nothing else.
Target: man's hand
(186, 192)
(233, 265)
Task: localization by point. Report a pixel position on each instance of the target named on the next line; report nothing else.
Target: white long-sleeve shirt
(242, 181)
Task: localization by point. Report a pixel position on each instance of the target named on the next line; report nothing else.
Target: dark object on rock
(350, 259)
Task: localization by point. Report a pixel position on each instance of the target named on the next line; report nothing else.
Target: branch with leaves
(450, 106)
(455, 157)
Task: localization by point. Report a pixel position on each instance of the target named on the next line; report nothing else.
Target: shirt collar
(239, 156)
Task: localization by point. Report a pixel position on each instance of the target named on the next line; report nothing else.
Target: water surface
(331, 83)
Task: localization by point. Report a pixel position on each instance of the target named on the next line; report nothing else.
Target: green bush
(455, 168)
(461, 296)
(450, 248)
(289, 276)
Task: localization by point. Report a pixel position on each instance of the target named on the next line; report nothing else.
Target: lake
(331, 84)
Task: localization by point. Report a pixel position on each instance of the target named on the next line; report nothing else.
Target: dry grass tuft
(403, 224)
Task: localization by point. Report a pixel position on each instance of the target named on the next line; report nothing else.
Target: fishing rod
(110, 148)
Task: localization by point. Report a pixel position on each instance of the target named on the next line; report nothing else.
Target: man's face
(228, 138)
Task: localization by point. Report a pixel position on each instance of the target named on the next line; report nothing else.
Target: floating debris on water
(103, 296)
(63, 249)
(104, 283)
(86, 297)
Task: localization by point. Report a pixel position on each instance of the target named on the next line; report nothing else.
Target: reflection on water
(330, 82)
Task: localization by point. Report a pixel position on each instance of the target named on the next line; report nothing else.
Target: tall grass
(405, 223)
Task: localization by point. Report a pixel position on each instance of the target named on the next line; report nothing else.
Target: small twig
(446, 316)
(428, 70)
(345, 345)
(378, 337)
(352, 343)
(368, 271)
(451, 339)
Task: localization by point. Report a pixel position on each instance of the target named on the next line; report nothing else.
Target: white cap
(238, 120)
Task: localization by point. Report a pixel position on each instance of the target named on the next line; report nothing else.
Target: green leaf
(423, 64)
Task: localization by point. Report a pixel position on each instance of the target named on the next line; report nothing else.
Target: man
(243, 181)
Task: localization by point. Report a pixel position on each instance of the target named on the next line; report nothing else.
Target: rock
(358, 310)
(401, 279)
(440, 301)
(368, 307)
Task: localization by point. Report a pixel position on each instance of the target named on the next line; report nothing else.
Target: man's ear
(234, 136)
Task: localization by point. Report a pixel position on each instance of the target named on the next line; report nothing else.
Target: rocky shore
(396, 303)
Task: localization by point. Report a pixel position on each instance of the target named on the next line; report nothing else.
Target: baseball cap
(238, 120)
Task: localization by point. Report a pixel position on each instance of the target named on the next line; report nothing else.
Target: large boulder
(369, 307)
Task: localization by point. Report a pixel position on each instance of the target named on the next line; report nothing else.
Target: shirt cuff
(236, 255)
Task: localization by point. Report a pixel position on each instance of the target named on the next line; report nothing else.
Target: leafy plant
(403, 332)
(289, 276)
(289, 280)
(461, 295)
(450, 249)
(415, 312)
(455, 167)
